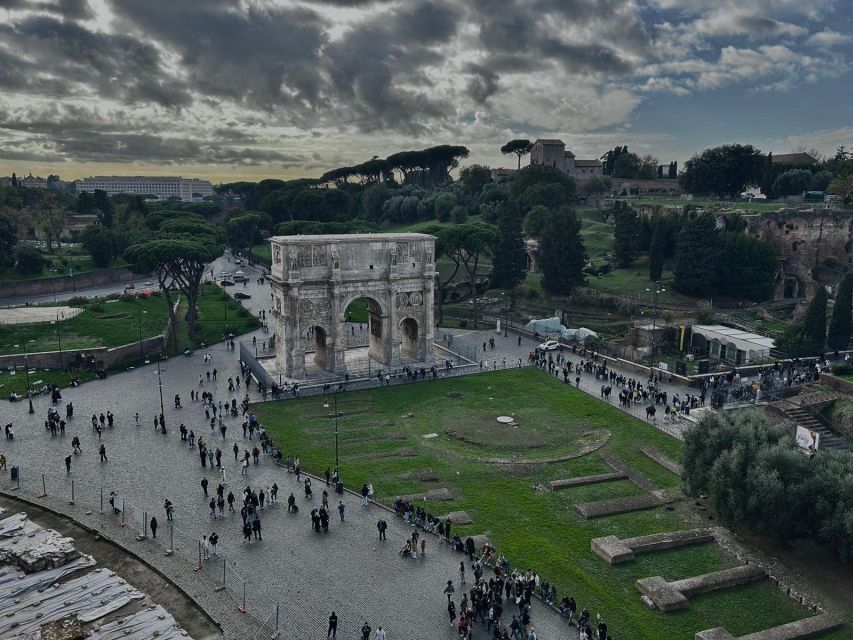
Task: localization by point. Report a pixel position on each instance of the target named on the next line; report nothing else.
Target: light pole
(139, 313)
(334, 416)
(59, 338)
(27, 371)
(658, 289)
(506, 313)
(160, 387)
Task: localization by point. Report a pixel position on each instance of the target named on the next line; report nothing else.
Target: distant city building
(159, 187)
(502, 175)
(32, 182)
(552, 153)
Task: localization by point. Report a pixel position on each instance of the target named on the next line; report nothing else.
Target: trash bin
(14, 472)
(339, 487)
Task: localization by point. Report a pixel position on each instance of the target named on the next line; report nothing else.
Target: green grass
(534, 529)
(757, 206)
(633, 283)
(420, 227)
(263, 251)
(212, 318)
(17, 381)
(113, 324)
(596, 233)
(357, 311)
(116, 323)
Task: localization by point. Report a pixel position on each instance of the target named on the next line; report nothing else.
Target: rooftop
(799, 158)
(354, 237)
(734, 334)
(549, 141)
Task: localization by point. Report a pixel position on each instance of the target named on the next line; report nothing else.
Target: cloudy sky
(245, 89)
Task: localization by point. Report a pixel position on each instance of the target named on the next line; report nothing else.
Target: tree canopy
(561, 254)
(520, 147)
(724, 171)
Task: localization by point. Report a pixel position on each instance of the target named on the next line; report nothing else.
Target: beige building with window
(552, 152)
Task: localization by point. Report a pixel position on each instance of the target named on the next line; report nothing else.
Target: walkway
(308, 574)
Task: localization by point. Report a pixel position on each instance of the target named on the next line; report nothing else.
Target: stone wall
(44, 286)
(109, 357)
(816, 248)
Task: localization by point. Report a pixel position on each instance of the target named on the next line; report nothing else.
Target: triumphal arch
(316, 277)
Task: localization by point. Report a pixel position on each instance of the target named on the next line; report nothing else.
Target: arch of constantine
(316, 277)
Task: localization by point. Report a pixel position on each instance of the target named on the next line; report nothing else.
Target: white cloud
(829, 38)
(824, 140)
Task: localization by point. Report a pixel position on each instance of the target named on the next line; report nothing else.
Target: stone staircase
(802, 410)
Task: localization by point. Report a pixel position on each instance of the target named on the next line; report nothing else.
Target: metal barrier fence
(246, 610)
(248, 358)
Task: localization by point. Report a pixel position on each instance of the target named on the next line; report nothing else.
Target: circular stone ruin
(506, 419)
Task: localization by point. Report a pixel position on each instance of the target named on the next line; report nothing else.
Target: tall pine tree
(561, 254)
(695, 255)
(657, 251)
(814, 324)
(838, 336)
(510, 258)
(626, 235)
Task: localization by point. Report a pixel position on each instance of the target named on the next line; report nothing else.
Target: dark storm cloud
(74, 9)
(261, 57)
(483, 84)
(115, 66)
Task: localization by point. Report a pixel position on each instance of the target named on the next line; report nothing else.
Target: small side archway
(410, 338)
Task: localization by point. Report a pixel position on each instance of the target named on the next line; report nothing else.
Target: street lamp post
(335, 416)
(506, 314)
(139, 313)
(160, 387)
(655, 293)
(27, 371)
(59, 338)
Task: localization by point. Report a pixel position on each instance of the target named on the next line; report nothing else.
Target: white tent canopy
(733, 345)
(553, 328)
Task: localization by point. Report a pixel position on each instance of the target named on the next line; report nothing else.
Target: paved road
(310, 574)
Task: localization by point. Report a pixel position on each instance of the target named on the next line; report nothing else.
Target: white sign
(663, 366)
(807, 439)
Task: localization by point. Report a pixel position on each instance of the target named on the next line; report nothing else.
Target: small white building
(159, 187)
(552, 152)
(735, 346)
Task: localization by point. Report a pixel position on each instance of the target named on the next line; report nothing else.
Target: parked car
(549, 345)
(241, 296)
(241, 279)
(130, 285)
(226, 283)
(149, 283)
(225, 274)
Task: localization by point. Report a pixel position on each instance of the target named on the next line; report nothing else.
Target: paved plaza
(308, 574)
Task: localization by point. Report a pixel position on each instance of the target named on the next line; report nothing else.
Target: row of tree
(810, 336)
(706, 260)
(729, 170)
(755, 476)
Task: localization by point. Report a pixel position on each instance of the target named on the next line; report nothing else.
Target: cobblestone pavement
(308, 574)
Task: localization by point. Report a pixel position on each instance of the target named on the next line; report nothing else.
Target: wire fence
(213, 578)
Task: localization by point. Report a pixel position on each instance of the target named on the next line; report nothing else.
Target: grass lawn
(16, 381)
(116, 323)
(381, 441)
(110, 324)
(596, 233)
(214, 306)
(633, 283)
(263, 251)
(756, 206)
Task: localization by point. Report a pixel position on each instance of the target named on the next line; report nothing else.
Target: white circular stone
(506, 419)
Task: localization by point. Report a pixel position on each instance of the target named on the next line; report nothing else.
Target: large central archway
(317, 279)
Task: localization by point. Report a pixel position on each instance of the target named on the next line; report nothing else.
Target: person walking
(167, 505)
(365, 631)
(364, 494)
(381, 526)
(204, 486)
(462, 571)
(212, 505)
(103, 453)
(214, 540)
(333, 626)
(451, 611)
(449, 589)
(153, 524)
(341, 509)
(67, 464)
(205, 547)
(380, 633)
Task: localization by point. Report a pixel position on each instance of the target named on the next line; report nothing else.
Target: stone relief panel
(410, 299)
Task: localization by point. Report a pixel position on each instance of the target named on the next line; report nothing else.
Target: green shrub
(843, 370)
(29, 260)
(77, 301)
